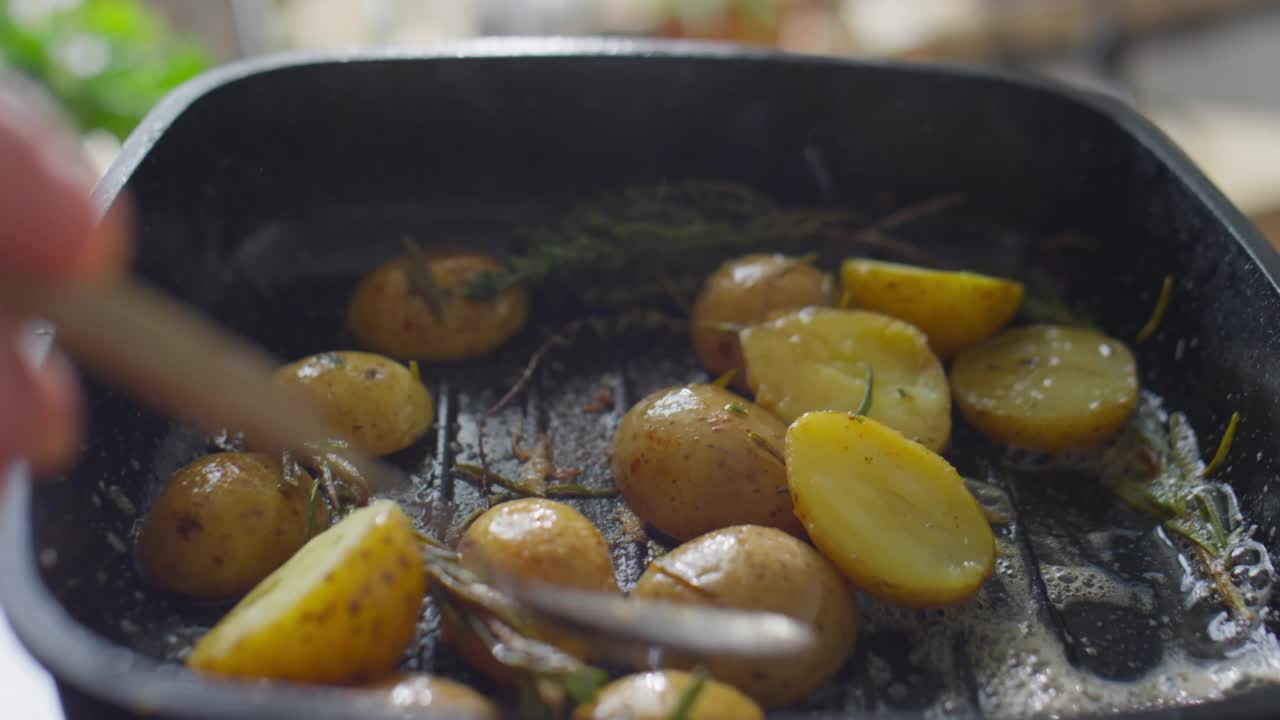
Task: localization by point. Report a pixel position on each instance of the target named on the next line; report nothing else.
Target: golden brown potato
(431, 695)
(656, 695)
(540, 540)
(896, 518)
(389, 314)
(369, 399)
(823, 359)
(758, 568)
(343, 609)
(224, 522)
(697, 458)
(745, 291)
(955, 309)
(1047, 387)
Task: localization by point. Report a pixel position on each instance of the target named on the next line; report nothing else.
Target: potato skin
(954, 309)
(342, 610)
(430, 694)
(744, 291)
(371, 400)
(542, 540)
(759, 568)
(387, 317)
(686, 462)
(223, 523)
(656, 695)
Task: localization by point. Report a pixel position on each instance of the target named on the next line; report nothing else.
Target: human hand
(49, 232)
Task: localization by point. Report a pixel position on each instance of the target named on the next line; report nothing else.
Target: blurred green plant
(107, 62)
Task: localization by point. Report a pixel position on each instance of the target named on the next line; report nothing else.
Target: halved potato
(895, 517)
(954, 309)
(341, 610)
(656, 695)
(821, 359)
(1047, 387)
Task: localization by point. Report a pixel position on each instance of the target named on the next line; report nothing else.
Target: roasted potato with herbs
(343, 609)
(369, 399)
(540, 540)
(656, 695)
(824, 359)
(416, 308)
(1047, 387)
(415, 693)
(758, 568)
(744, 291)
(697, 458)
(894, 516)
(226, 521)
(954, 309)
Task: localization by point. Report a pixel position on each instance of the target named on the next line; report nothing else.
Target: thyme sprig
(651, 224)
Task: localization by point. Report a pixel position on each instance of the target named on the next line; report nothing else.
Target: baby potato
(390, 315)
(540, 539)
(745, 291)
(1047, 387)
(758, 568)
(224, 522)
(697, 458)
(343, 609)
(895, 517)
(656, 695)
(823, 359)
(419, 693)
(955, 309)
(371, 400)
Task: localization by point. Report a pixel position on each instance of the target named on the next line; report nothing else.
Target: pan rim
(79, 657)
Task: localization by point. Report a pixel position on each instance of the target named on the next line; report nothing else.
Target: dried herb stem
(1224, 446)
(1157, 314)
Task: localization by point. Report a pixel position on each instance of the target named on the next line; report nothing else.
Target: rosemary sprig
(690, 695)
(1155, 466)
(726, 379)
(865, 406)
(311, 507)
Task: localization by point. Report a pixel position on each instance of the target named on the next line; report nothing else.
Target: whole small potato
(694, 459)
(372, 400)
(389, 313)
(759, 568)
(225, 522)
(745, 291)
(431, 695)
(656, 695)
(537, 539)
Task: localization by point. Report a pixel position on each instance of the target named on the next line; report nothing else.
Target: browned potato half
(390, 312)
(343, 609)
(1047, 387)
(823, 359)
(415, 693)
(955, 309)
(656, 695)
(369, 399)
(225, 522)
(759, 568)
(896, 518)
(744, 292)
(697, 458)
(541, 540)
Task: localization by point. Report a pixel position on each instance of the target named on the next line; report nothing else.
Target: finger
(40, 415)
(48, 223)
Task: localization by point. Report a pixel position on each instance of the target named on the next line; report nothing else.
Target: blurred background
(1206, 71)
